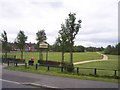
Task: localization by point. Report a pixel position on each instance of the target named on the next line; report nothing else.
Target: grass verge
(57, 72)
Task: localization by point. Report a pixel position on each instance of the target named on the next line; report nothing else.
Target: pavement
(52, 81)
(105, 57)
(46, 81)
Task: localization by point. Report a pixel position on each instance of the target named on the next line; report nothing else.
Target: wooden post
(25, 65)
(77, 70)
(115, 72)
(8, 63)
(62, 69)
(47, 55)
(36, 66)
(48, 68)
(95, 71)
(16, 64)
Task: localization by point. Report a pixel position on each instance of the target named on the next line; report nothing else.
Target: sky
(99, 25)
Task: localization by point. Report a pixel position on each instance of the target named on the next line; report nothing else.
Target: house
(28, 47)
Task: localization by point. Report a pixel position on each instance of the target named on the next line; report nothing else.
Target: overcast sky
(99, 19)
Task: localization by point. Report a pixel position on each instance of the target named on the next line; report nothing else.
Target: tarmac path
(105, 57)
(40, 80)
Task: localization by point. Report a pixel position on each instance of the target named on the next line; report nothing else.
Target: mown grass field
(88, 74)
(56, 56)
(110, 65)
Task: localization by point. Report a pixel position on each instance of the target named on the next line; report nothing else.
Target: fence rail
(96, 70)
(77, 70)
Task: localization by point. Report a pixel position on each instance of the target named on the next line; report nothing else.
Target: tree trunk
(6, 50)
(5, 54)
(21, 54)
(62, 57)
(71, 57)
(71, 54)
(47, 55)
(39, 55)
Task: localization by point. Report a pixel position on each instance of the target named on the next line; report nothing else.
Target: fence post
(115, 72)
(16, 64)
(25, 65)
(36, 66)
(14, 56)
(8, 63)
(48, 68)
(95, 71)
(62, 69)
(77, 70)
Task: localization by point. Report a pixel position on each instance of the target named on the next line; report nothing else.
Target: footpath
(105, 57)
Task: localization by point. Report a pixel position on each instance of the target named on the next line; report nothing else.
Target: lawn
(56, 56)
(110, 64)
(88, 74)
(57, 72)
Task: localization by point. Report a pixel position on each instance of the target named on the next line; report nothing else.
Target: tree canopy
(71, 29)
(41, 36)
(114, 50)
(4, 41)
(20, 41)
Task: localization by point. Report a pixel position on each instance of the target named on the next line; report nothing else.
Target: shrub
(68, 67)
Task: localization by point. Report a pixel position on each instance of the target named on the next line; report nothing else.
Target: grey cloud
(49, 3)
(99, 22)
(8, 9)
(56, 4)
(100, 37)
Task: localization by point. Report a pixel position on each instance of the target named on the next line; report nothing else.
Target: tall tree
(62, 41)
(71, 30)
(4, 41)
(20, 42)
(40, 37)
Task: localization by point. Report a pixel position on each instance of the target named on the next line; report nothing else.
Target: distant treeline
(114, 50)
(78, 48)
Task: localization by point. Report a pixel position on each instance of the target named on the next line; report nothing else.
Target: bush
(68, 67)
(49, 62)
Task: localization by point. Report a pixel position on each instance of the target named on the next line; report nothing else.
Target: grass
(57, 72)
(87, 74)
(56, 56)
(109, 65)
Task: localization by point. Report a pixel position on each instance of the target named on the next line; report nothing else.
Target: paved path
(105, 57)
(53, 81)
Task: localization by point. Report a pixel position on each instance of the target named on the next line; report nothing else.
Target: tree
(62, 41)
(91, 49)
(71, 29)
(81, 48)
(40, 37)
(118, 48)
(56, 45)
(108, 49)
(114, 50)
(20, 41)
(4, 41)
